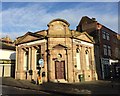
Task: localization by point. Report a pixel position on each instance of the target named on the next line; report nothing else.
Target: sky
(20, 17)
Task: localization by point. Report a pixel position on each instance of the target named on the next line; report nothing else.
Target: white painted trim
(34, 42)
(113, 61)
(5, 64)
(82, 42)
(7, 54)
(7, 50)
(86, 43)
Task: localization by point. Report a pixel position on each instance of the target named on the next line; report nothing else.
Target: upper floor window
(107, 50)
(116, 52)
(105, 35)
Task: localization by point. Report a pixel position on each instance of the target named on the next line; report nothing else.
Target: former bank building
(68, 55)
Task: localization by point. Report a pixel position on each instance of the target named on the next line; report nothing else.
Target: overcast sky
(20, 17)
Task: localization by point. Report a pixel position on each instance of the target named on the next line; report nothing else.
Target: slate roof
(6, 46)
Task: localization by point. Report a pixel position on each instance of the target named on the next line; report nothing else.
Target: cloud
(36, 16)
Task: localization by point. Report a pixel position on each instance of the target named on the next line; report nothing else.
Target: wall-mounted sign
(41, 62)
(7, 61)
(76, 41)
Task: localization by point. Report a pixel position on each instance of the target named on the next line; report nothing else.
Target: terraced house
(57, 54)
(7, 57)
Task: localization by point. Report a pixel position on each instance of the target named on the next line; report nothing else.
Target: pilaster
(33, 63)
(49, 65)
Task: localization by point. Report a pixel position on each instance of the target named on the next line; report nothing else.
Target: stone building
(57, 54)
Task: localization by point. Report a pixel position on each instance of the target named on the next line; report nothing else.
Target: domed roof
(58, 19)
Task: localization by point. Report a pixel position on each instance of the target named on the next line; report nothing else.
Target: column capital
(25, 48)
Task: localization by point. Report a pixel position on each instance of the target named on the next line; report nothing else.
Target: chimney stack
(94, 19)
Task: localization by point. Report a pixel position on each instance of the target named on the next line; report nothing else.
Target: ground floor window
(38, 56)
(78, 58)
(87, 59)
(26, 59)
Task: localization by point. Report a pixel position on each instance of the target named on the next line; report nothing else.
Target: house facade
(7, 57)
(106, 45)
(57, 54)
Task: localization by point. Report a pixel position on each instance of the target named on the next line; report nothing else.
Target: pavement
(82, 88)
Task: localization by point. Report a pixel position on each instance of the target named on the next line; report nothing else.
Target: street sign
(41, 62)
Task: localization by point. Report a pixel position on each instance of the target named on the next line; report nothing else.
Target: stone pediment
(85, 37)
(59, 46)
(28, 37)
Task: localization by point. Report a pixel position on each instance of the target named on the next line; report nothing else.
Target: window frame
(107, 50)
(105, 35)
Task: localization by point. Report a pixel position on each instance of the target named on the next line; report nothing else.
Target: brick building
(57, 54)
(106, 45)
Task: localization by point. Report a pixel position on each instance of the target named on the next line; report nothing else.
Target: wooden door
(60, 70)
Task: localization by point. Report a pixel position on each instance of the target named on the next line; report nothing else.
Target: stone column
(16, 64)
(95, 77)
(74, 63)
(66, 64)
(44, 55)
(49, 65)
(83, 61)
(29, 63)
(70, 66)
(82, 58)
(45, 63)
(29, 59)
(33, 63)
(20, 64)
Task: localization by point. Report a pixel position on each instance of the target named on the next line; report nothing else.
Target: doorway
(59, 69)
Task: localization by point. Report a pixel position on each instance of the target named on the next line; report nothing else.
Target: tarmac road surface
(10, 91)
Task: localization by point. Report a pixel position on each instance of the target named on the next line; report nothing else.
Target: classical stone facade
(68, 55)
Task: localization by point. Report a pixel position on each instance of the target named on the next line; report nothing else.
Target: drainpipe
(99, 26)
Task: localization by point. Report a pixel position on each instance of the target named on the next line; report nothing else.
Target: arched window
(87, 59)
(38, 56)
(78, 58)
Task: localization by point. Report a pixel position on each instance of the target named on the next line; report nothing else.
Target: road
(9, 90)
